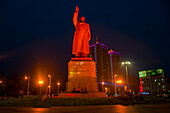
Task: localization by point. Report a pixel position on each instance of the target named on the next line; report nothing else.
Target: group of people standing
(132, 96)
(78, 90)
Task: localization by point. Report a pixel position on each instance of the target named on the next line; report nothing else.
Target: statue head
(82, 19)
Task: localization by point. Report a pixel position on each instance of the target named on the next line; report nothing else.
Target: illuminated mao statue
(82, 36)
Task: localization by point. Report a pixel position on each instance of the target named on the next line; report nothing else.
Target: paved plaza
(149, 108)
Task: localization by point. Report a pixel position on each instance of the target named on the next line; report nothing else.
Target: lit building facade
(115, 65)
(168, 85)
(99, 53)
(153, 81)
(107, 65)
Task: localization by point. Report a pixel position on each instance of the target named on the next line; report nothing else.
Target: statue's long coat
(82, 36)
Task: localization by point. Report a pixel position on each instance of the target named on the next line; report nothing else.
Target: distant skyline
(37, 36)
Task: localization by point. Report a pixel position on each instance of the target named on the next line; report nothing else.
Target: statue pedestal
(82, 74)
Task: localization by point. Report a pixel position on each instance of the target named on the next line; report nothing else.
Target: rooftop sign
(154, 72)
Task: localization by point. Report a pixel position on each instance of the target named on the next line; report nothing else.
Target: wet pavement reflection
(158, 108)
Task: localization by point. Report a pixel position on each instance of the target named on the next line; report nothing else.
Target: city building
(152, 81)
(99, 53)
(115, 65)
(168, 86)
(108, 64)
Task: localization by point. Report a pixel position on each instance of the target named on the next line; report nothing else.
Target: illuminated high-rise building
(99, 53)
(108, 64)
(115, 65)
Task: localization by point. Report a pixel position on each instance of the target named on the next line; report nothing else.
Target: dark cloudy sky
(36, 35)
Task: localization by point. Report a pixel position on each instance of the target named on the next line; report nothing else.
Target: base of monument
(82, 75)
(80, 95)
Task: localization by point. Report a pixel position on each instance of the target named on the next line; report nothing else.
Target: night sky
(36, 35)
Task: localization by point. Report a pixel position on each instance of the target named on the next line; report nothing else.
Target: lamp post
(2, 83)
(49, 85)
(40, 82)
(102, 86)
(119, 82)
(115, 77)
(3, 87)
(58, 88)
(28, 83)
(125, 64)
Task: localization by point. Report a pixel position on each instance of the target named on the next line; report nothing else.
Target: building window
(159, 83)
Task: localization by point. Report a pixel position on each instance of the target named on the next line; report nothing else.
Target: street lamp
(102, 86)
(58, 88)
(49, 85)
(115, 77)
(40, 82)
(26, 77)
(125, 64)
(3, 87)
(119, 82)
(28, 83)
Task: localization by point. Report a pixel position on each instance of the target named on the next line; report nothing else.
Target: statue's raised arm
(75, 16)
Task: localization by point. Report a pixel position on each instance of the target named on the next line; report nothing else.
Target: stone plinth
(82, 74)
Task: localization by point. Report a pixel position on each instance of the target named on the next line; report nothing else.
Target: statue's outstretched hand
(77, 9)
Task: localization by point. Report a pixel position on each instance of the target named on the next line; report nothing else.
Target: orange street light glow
(119, 81)
(102, 83)
(58, 83)
(26, 77)
(49, 76)
(40, 82)
(49, 86)
(0, 82)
